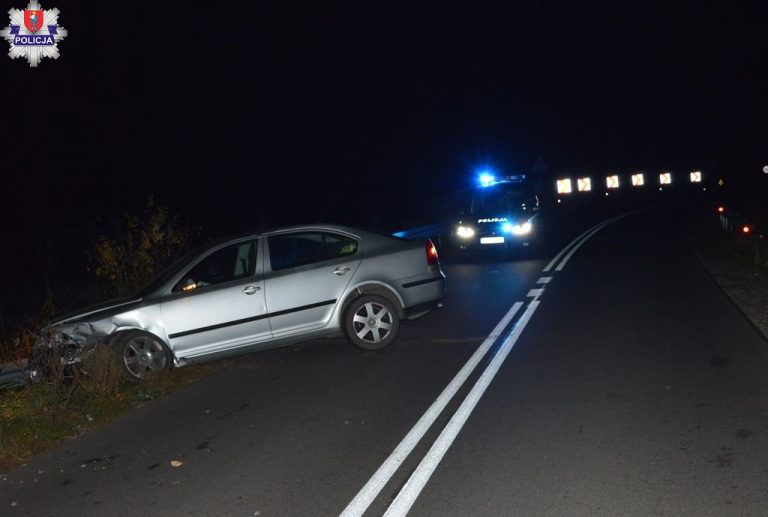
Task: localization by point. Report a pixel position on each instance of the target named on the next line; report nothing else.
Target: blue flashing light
(506, 227)
(486, 179)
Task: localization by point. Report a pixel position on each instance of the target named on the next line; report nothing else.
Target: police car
(501, 214)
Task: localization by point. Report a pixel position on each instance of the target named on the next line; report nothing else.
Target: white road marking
(573, 250)
(407, 496)
(581, 239)
(544, 280)
(371, 490)
(590, 233)
(583, 236)
(535, 293)
(562, 252)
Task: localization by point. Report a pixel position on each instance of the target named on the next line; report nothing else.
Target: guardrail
(14, 374)
(748, 233)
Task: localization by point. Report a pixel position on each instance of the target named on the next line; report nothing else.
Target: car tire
(371, 322)
(141, 355)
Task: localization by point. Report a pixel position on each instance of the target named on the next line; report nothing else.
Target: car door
(305, 277)
(218, 303)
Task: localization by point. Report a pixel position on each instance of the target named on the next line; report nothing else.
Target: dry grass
(69, 403)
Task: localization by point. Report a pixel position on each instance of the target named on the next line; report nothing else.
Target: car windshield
(499, 200)
(167, 274)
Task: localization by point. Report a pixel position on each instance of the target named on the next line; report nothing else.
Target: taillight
(431, 253)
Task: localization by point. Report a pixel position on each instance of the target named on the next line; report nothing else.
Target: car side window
(224, 265)
(299, 249)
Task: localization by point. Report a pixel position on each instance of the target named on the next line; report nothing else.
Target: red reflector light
(431, 253)
(746, 229)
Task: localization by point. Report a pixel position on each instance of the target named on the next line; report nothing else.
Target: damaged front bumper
(56, 349)
(62, 346)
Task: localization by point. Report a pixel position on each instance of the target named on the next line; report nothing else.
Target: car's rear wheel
(371, 322)
(142, 354)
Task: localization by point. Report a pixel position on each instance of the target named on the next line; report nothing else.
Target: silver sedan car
(263, 291)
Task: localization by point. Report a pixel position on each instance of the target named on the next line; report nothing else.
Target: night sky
(244, 115)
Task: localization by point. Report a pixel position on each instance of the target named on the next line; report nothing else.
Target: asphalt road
(628, 384)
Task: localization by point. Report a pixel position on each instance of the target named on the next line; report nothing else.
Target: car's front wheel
(371, 322)
(142, 354)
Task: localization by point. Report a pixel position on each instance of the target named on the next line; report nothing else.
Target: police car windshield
(498, 200)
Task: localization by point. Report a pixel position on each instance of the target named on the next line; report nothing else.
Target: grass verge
(38, 417)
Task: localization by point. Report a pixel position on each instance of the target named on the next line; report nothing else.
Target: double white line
(413, 487)
(368, 493)
(423, 472)
(576, 243)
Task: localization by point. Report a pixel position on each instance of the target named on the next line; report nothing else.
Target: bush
(150, 240)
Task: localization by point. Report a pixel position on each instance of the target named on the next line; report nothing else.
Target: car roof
(357, 232)
(325, 227)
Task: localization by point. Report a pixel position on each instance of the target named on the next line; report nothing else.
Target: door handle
(251, 289)
(341, 270)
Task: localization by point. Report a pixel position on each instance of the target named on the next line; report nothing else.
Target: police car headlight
(522, 229)
(465, 232)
